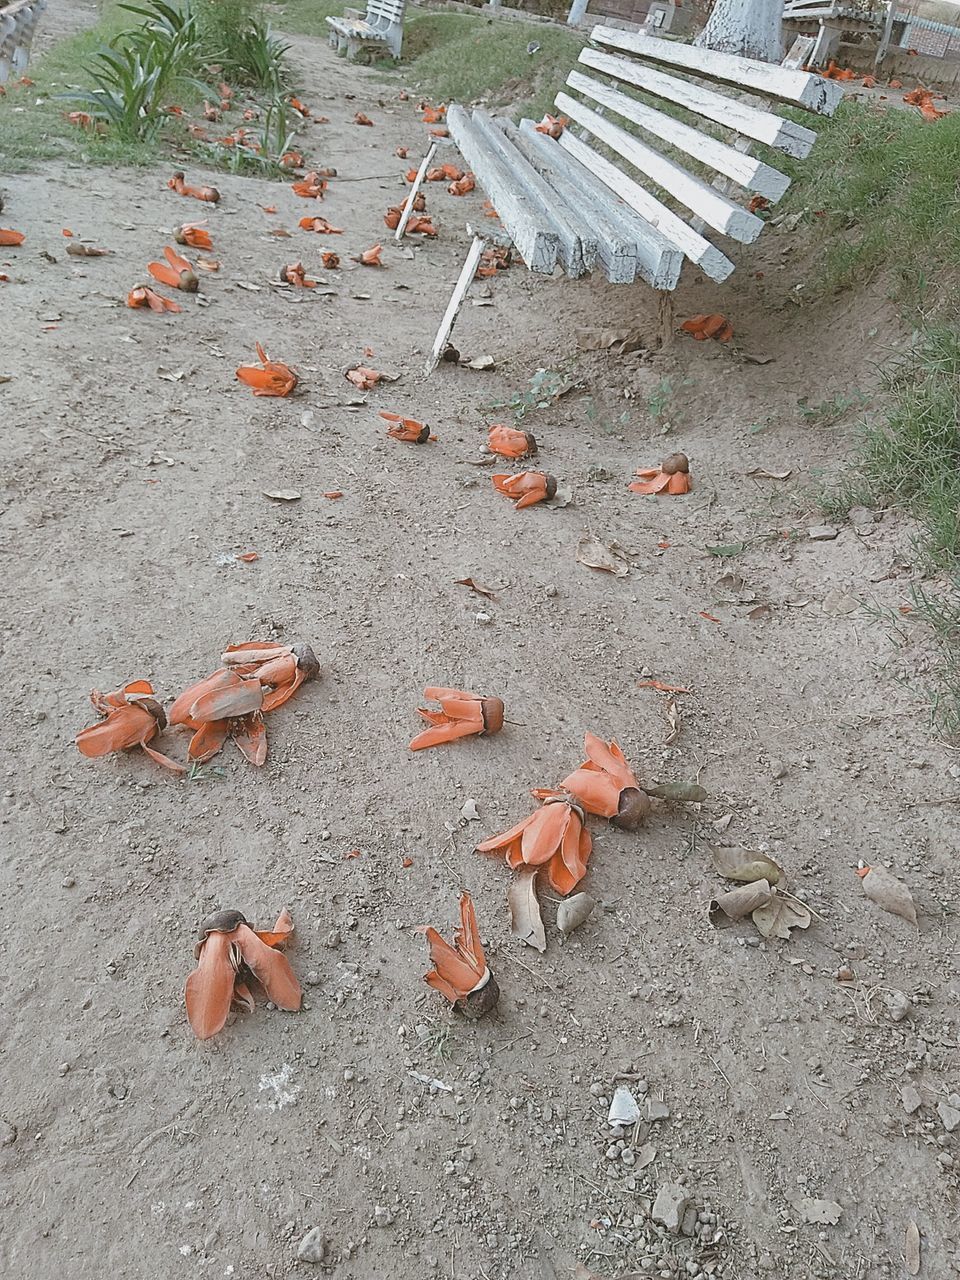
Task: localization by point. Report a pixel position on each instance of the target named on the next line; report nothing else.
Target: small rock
(838, 604)
(898, 1006)
(550, 590)
(910, 1099)
(313, 978)
(382, 1216)
(313, 1246)
(670, 1205)
(657, 1109)
(778, 770)
(469, 811)
(949, 1116)
(688, 1226)
(623, 1109)
(67, 882)
(8, 1134)
(822, 532)
(861, 517)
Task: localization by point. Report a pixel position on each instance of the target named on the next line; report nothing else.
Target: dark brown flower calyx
(492, 711)
(633, 809)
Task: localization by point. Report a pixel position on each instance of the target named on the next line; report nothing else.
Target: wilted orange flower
(433, 115)
(363, 378)
(299, 106)
(194, 235)
(672, 476)
(421, 225)
(273, 379)
(552, 126)
(401, 153)
(369, 257)
(229, 955)
(462, 715)
(210, 112)
(605, 785)
(311, 186)
(407, 429)
(321, 226)
(296, 275)
(176, 272)
(713, 326)
(10, 239)
(132, 717)
(291, 160)
(554, 837)
(923, 99)
(81, 119)
(511, 443)
(142, 296)
(330, 260)
(460, 971)
(527, 487)
(209, 195)
(360, 118)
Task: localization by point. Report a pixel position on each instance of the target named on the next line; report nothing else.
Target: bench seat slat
(745, 170)
(800, 88)
(704, 201)
(693, 245)
(629, 245)
(519, 209)
(762, 126)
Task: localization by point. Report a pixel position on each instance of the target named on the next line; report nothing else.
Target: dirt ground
(134, 467)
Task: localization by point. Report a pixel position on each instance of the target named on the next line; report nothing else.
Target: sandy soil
(134, 467)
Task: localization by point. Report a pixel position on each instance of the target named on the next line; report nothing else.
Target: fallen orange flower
(672, 476)
(273, 379)
(433, 115)
(896, 84)
(869, 82)
(392, 217)
(311, 186)
(210, 195)
(194, 235)
(923, 99)
(606, 786)
(363, 378)
(421, 225)
(296, 275)
(299, 106)
(833, 72)
(142, 296)
(330, 260)
(510, 443)
(712, 326)
(224, 90)
(460, 971)
(291, 160)
(10, 239)
(321, 226)
(176, 272)
(552, 126)
(407, 429)
(412, 175)
(495, 258)
(554, 837)
(369, 257)
(280, 668)
(229, 954)
(360, 118)
(210, 112)
(132, 717)
(756, 203)
(462, 715)
(527, 487)
(440, 133)
(489, 211)
(81, 119)
(401, 153)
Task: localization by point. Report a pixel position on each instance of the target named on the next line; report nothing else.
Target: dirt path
(133, 469)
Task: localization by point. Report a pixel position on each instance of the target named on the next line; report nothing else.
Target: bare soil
(134, 467)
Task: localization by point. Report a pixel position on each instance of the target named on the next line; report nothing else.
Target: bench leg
(464, 281)
(412, 194)
(665, 324)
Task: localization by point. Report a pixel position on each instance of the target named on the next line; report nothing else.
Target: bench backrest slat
(773, 81)
(704, 201)
(745, 170)
(390, 10)
(763, 126)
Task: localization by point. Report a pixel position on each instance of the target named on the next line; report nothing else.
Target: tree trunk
(748, 27)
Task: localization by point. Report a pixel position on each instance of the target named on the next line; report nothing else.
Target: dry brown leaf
(572, 912)
(777, 917)
(817, 1211)
(762, 473)
(682, 792)
(882, 887)
(608, 556)
(745, 865)
(86, 251)
(741, 902)
(480, 589)
(282, 495)
(759, 613)
(673, 716)
(525, 920)
(911, 1249)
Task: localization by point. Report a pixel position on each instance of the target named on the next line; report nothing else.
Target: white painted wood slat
(464, 280)
(518, 209)
(412, 193)
(557, 215)
(801, 88)
(700, 251)
(745, 170)
(704, 201)
(763, 126)
(629, 245)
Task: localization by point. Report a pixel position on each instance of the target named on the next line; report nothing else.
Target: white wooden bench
(828, 20)
(382, 25)
(18, 22)
(618, 202)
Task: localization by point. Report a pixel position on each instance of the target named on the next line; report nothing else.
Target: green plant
(276, 136)
(127, 92)
(831, 410)
(238, 39)
(545, 387)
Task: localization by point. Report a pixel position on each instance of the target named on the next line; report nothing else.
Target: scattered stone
(861, 517)
(657, 1109)
(817, 1211)
(838, 604)
(670, 1205)
(313, 1246)
(382, 1216)
(8, 1134)
(822, 532)
(778, 770)
(910, 1099)
(623, 1109)
(67, 882)
(898, 1006)
(688, 1226)
(949, 1116)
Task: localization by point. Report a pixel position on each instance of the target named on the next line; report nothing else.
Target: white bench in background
(828, 20)
(18, 22)
(620, 210)
(382, 25)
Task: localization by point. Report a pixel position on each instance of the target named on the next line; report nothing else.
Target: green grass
(881, 187)
(461, 57)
